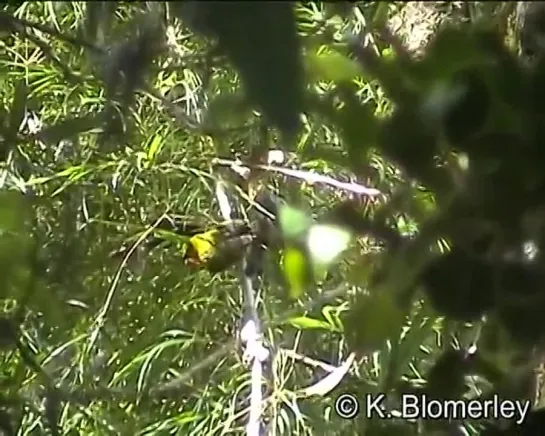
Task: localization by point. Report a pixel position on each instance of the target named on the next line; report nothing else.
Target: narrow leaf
(295, 271)
(307, 323)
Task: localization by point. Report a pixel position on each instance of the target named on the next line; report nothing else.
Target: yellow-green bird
(220, 247)
(216, 249)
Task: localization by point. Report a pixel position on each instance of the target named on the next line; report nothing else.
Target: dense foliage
(403, 254)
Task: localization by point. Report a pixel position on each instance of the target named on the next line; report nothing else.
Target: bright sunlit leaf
(306, 323)
(326, 242)
(154, 147)
(331, 314)
(295, 271)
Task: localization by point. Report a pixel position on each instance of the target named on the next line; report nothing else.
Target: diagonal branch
(307, 176)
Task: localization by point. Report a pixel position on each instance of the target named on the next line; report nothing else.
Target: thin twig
(101, 316)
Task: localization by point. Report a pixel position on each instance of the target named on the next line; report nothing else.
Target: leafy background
(114, 113)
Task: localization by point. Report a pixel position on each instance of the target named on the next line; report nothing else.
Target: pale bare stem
(331, 381)
(250, 333)
(307, 176)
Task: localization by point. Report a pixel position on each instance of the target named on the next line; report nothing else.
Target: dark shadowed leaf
(6, 426)
(228, 110)
(53, 409)
(359, 127)
(70, 128)
(260, 39)
(18, 108)
(455, 49)
(372, 320)
(12, 212)
(7, 333)
(412, 144)
(355, 120)
(446, 376)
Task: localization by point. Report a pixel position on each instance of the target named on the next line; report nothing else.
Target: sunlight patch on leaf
(295, 271)
(326, 242)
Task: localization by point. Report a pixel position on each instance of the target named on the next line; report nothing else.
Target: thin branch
(303, 175)
(250, 333)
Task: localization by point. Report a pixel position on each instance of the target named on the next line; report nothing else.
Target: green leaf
(70, 128)
(331, 315)
(372, 320)
(331, 66)
(293, 222)
(154, 147)
(307, 323)
(12, 212)
(296, 271)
